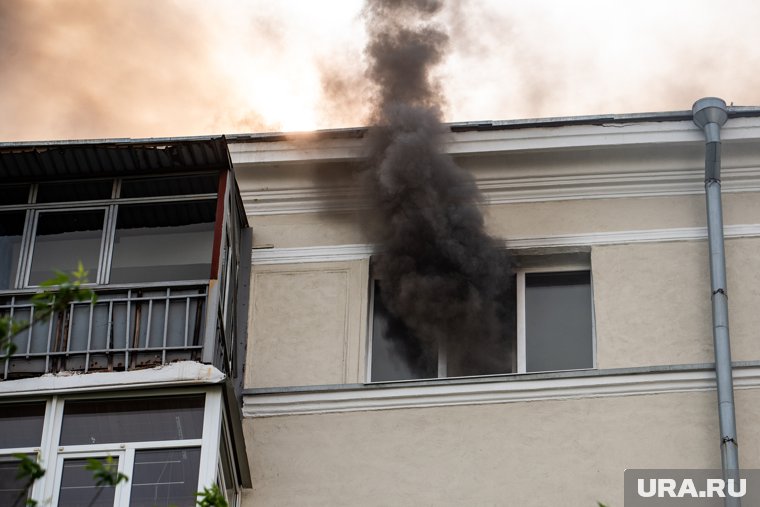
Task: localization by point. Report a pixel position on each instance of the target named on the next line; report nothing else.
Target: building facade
(285, 384)
(617, 203)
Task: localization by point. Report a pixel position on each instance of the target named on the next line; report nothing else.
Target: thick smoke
(441, 274)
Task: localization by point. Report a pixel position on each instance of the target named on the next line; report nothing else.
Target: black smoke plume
(441, 274)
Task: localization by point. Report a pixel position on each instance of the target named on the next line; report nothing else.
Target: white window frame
(225, 440)
(520, 273)
(123, 464)
(35, 451)
(51, 455)
(519, 365)
(27, 267)
(110, 205)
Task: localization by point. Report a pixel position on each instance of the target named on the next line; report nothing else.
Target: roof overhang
(28, 161)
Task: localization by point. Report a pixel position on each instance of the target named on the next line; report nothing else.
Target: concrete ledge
(170, 375)
(495, 389)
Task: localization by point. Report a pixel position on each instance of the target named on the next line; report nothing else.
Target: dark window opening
(11, 232)
(394, 355)
(556, 319)
(398, 355)
(170, 185)
(69, 191)
(14, 194)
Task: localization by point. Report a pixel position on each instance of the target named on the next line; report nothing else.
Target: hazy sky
(138, 68)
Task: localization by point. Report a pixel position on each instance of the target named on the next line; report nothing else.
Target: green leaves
(29, 470)
(211, 497)
(58, 292)
(105, 471)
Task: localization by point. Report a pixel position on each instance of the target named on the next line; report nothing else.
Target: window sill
(269, 402)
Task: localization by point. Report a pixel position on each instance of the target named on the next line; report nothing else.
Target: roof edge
(359, 132)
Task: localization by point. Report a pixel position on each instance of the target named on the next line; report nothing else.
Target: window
(64, 238)
(553, 329)
(170, 445)
(124, 230)
(20, 433)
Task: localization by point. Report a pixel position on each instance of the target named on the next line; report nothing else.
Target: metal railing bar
(148, 325)
(49, 340)
(187, 318)
(105, 289)
(71, 325)
(29, 331)
(166, 324)
(126, 335)
(89, 340)
(115, 300)
(109, 334)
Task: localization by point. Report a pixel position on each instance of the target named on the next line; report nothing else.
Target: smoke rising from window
(441, 273)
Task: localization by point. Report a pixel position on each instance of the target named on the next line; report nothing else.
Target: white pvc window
(168, 448)
(62, 239)
(554, 330)
(21, 432)
(123, 230)
(555, 324)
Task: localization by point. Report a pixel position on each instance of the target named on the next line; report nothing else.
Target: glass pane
(132, 420)
(395, 356)
(165, 477)
(11, 230)
(228, 473)
(558, 328)
(14, 194)
(171, 185)
(21, 424)
(163, 242)
(11, 487)
(64, 238)
(67, 191)
(78, 485)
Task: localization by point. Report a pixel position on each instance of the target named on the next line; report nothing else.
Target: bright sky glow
(139, 68)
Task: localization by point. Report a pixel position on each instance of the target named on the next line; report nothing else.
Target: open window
(552, 327)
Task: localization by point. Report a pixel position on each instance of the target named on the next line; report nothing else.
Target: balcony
(128, 327)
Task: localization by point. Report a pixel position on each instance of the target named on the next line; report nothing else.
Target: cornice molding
(318, 148)
(354, 399)
(509, 190)
(356, 252)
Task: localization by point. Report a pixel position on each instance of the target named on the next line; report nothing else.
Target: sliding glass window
(163, 242)
(63, 239)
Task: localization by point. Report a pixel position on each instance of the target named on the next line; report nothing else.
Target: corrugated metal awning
(75, 159)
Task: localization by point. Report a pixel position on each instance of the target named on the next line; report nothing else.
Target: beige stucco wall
(307, 324)
(528, 219)
(569, 453)
(652, 302)
(308, 321)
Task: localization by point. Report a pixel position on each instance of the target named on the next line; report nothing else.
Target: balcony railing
(128, 327)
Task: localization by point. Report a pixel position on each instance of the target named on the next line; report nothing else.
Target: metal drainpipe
(709, 115)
